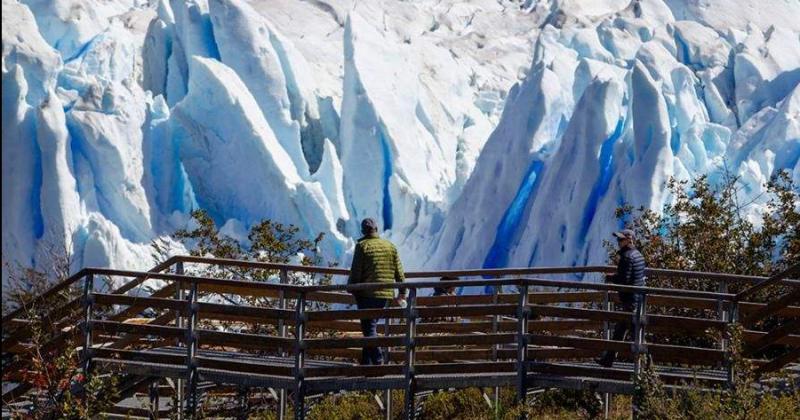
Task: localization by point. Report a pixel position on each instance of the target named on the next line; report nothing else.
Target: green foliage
(705, 228)
(267, 242)
(739, 401)
(60, 388)
(463, 404)
(350, 406)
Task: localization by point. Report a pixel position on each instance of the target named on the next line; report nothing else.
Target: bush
(706, 228)
(740, 401)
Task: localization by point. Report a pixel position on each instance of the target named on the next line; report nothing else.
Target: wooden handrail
(69, 281)
(494, 272)
(774, 279)
(771, 308)
(780, 278)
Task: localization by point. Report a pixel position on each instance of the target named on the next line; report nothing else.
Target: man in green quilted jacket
(375, 261)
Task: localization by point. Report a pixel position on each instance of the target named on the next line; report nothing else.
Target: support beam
(523, 311)
(299, 359)
(191, 353)
(88, 305)
(152, 392)
(410, 380)
(180, 322)
(639, 349)
(284, 278)
(733, 318)
(607, 306)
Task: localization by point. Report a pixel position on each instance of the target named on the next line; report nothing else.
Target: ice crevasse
(478, 133)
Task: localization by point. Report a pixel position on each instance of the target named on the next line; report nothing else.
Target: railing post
(733, 318)
(299, 358)
(411, 327)
(606, 336)
(244, 402)
(153, 394)
(191, 352)
(722, 311)
(88, 306)
(639, 320)
(522, 343)
(388, 394)
(284, 279)
(179, 323)
(638, 347)
(495, 322)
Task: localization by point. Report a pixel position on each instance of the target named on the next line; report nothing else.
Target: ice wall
(478, 133)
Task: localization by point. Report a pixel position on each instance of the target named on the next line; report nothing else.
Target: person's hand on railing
(400, 301)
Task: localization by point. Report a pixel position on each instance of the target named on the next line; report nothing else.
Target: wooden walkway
(298, 342)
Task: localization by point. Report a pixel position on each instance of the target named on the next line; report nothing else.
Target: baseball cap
(625, 234)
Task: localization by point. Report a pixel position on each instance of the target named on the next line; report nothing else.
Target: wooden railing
(531, 332)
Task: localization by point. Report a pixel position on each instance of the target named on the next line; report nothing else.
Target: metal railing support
(299, 358)
(88, 306)
(607, 306)
(495, 347)
(191, 352)
(639, 348)
(411, 327)
(387, 404)
(723, 313)
(242, 394)
(639, 320)
(153, 395)
(179, 323)
(284, 279)
(523, 311)
(733, 318)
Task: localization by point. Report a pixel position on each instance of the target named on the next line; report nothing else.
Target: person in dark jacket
(445, 290)
(630, 272)
(375, 261)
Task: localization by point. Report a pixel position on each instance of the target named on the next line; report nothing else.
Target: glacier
(479, 133)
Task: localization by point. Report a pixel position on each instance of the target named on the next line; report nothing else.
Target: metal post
(411, 326)
(388, 394)
(284, 278)
(244, 402)
(495, 320)
(733, 318)
(639, 320)
(722, 311)
(153, 394)
(179, 323)
(88, 306)
(639, 348)
(606, 336)
(523, 312)
(191, 352)
(299, 359)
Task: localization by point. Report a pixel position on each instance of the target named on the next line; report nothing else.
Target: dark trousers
(369, 328)
(621, 329)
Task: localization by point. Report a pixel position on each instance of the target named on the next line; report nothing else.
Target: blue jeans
(369, 328)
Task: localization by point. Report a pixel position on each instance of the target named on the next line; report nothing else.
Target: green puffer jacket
(376, 261)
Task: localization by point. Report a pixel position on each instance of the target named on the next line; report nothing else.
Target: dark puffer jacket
(630, 272)
(376, 261)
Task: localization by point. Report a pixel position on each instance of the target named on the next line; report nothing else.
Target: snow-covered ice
(479, 133)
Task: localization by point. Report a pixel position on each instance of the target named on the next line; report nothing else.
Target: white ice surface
(477, 132)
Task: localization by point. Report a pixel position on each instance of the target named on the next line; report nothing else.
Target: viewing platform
(186, 337)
